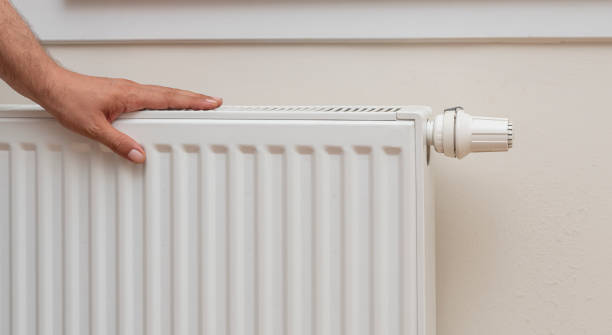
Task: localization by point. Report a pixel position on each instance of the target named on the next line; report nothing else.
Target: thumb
(120, 143)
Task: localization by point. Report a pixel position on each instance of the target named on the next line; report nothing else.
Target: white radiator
(244, 220)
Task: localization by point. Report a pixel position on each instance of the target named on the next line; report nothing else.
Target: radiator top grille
(363, 109)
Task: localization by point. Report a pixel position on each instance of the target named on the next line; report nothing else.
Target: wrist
(48, 90)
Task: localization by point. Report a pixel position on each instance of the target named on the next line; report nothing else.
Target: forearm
(24, 64)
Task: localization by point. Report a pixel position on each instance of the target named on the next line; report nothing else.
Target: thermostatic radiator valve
(456, 133)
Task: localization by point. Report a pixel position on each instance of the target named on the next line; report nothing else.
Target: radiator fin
(5, 238)
(206, 239)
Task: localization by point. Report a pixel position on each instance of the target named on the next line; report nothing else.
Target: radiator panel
(231, 227)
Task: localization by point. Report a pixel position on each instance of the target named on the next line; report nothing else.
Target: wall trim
(388, 21)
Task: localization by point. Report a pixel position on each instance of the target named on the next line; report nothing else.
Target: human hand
(88, 105)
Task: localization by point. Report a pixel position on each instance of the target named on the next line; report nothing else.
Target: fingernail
(212, 101)
(136, 156)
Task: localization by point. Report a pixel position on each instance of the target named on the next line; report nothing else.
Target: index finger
(157, 97)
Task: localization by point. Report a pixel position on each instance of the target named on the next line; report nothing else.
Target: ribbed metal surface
(207, 239)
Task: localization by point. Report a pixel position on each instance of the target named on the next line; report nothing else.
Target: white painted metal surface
(185, 20)
(302, 220)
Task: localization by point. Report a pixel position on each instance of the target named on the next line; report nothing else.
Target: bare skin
(85, 104)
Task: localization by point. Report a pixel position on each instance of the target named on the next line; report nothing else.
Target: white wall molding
(337, 20)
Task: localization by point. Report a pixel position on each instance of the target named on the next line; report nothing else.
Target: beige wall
(524, 238)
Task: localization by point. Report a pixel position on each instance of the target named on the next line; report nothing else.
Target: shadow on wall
(77, 3)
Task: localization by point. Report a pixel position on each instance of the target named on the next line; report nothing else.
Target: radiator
(244, 220)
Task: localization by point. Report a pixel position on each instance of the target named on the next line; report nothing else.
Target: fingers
(157, 97)
(176, 90)
(118, 142)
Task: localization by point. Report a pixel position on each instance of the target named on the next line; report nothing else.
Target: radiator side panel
(231, 227)
(430, 255)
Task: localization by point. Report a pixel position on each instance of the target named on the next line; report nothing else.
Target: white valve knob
(456, 133)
